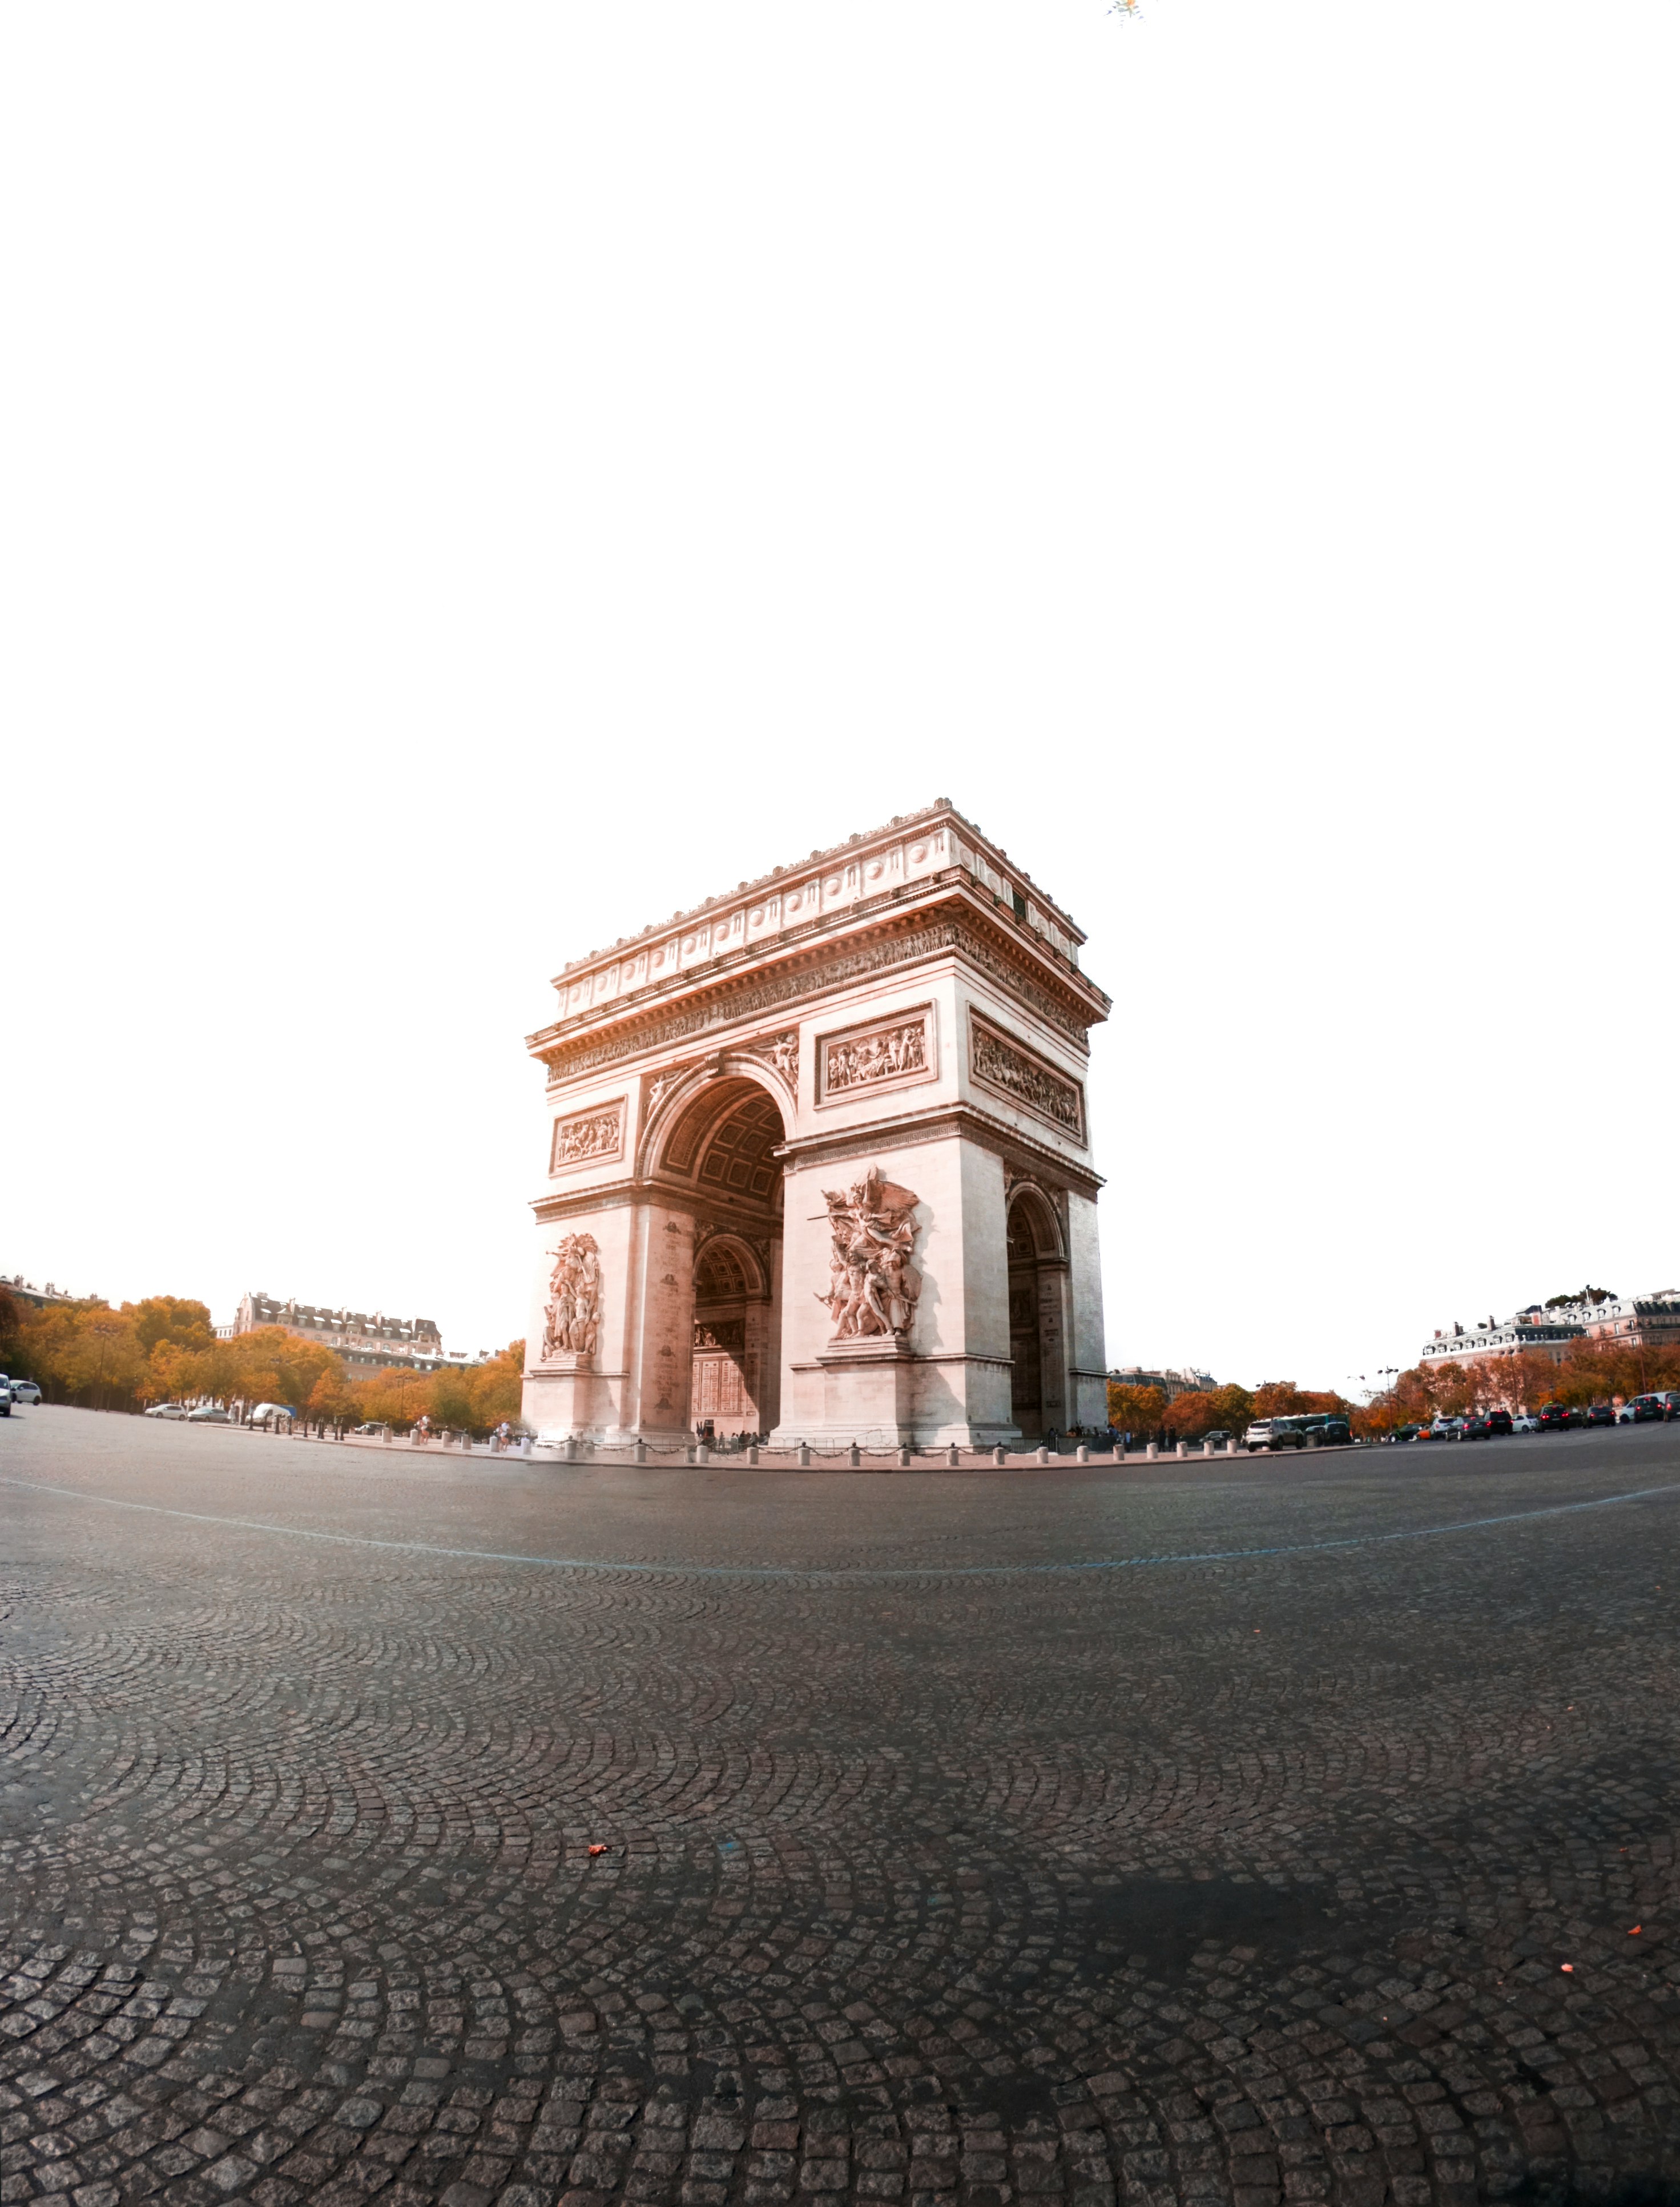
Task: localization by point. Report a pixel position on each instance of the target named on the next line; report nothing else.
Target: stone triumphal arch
(819, 1163)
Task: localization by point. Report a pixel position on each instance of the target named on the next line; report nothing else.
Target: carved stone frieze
(1007, 1067)
(592, 1137)
(883, 1054)
(571, 1315)
(873, 1286)
(570, 1063)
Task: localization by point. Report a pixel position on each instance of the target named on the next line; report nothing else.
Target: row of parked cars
(1550, 1418)
(1318, 1430)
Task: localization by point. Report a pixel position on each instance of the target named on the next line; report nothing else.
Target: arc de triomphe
(819, 1163)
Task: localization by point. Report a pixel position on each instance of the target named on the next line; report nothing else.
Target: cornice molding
(940, 1121)
(726, 1000)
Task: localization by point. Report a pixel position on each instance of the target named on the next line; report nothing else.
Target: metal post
(640, 1450)
(571, 1448)
(804, 1456)
(904, 1456)
(999, 1454)
(856, 1455)
(951, 1457)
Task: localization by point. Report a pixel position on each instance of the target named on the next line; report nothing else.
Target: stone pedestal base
(567, 1397)
(879, 1393)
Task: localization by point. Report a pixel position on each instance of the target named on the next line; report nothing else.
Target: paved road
(1144, 1837)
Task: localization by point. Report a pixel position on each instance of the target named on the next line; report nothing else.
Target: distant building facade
(375, 1343)
(1645, 1321)
(46, 1298)
(1188, 1381)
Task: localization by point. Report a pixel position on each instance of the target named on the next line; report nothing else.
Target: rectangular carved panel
(885, 1054)
(1009, 1068)
(589, 1138)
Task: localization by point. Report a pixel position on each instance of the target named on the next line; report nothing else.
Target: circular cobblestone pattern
(463, 1832)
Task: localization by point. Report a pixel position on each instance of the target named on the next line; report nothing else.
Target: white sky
(476, 479)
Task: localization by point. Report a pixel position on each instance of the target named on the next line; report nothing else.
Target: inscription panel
(996, 1061)
(588, 1138)
(882, 1053)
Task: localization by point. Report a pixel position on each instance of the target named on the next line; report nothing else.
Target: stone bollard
(1082, 1454)
(804, 1456)
(855, 1457)
(1041, 1454)
(1152, 1451)
(1313, 1440)
(904, 1456)
(640, 1450)
(525, 1446)
(999, 1454)
(1230, 1448)
(385, 1435)
(571, 1448)
(702, 1454)
(951, 1457)
(1207, 1448)
(1182, 1449)
(752, 1451)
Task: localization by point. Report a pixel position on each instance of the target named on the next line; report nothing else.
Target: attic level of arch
(952, 908)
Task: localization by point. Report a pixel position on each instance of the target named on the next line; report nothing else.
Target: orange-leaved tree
(1198, 1412)
(1134, 1409)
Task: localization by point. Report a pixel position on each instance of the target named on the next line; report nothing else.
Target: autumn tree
(1134, 1409)
(498, 1388)
(1198, 1412)
(184, 1323)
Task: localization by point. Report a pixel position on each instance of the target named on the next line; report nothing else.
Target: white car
(168, 1410)
(23, 1390)
(270, 1413)
(1522, 1423)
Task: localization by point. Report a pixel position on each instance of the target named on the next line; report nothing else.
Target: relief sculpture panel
(588, 1137)
(1012, 1070)
(873, 1286)
(877, 1056)
(571, 1315)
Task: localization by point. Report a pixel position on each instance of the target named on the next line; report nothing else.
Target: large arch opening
(1037, 1272)
(720, 1151)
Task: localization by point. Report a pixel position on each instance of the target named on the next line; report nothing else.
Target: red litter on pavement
(597, 1850)
(1562, 1966)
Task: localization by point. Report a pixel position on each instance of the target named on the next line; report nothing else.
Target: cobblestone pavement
(839, 1838)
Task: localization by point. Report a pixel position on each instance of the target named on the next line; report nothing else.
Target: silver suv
(1274, 1433)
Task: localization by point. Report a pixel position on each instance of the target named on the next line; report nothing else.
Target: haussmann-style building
(817, 1161)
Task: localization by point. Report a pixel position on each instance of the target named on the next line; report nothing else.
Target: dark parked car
(1328, 1430)
(1558, 1417)
(1499, 1422)
(1474, 1428)
(1404, 1433)
(1601, 1415)
(1641, 1409)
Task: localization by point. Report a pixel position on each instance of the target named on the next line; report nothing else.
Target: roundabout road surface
(450, 1832)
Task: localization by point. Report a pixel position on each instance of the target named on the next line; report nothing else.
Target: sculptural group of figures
(877, 1057)
(872, 1285)
(572, 1316)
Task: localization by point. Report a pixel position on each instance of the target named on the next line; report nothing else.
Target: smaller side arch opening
(1037, 1330)
(734, 1351)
